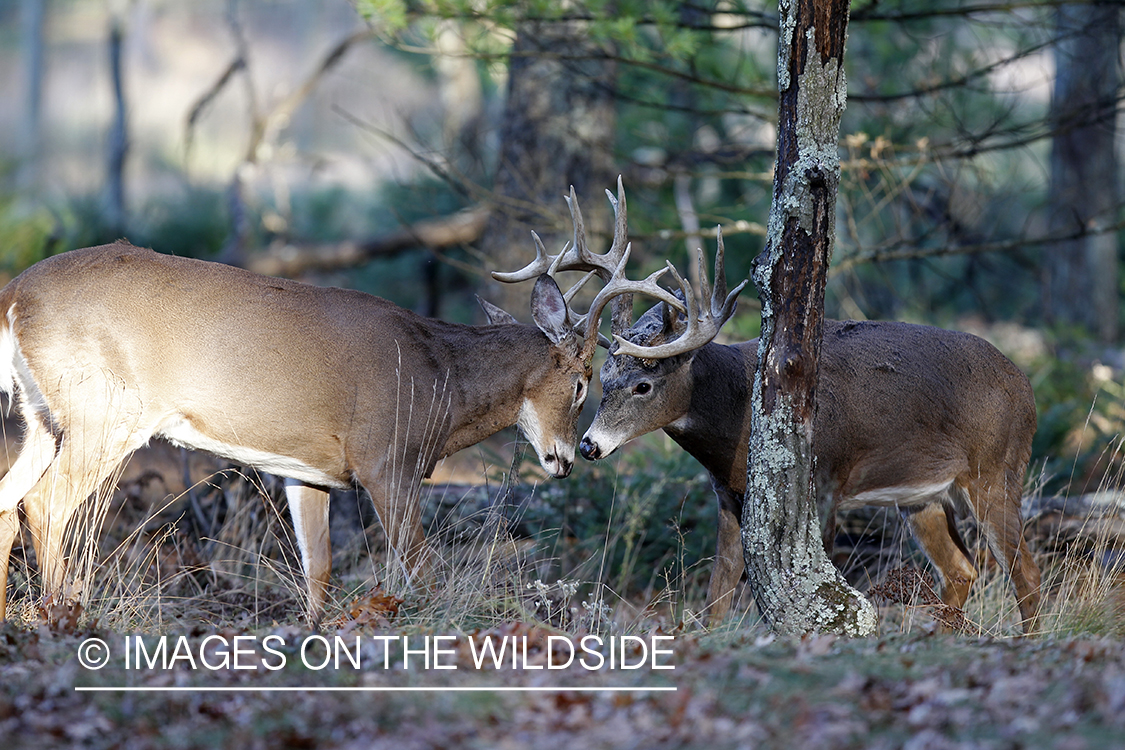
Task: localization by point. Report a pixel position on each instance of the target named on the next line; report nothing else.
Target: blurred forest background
(407, 148)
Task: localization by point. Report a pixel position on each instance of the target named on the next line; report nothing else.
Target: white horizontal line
(291, 689)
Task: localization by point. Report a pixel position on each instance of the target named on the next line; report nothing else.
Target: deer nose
(589, 449)
(565, 466)
(558, 466)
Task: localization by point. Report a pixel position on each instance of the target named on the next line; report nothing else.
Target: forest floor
(192, 640)
(723, 690)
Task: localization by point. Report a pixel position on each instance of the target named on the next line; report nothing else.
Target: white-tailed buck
(930, 421)
(105, 347)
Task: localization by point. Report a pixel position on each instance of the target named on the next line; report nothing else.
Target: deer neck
(489, 369)
(715, 430)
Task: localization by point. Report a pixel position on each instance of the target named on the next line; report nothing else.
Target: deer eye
(642, 388)
(578, 389)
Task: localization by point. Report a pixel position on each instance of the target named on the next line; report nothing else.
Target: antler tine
(574, 256)
(720, 289)
(578, 256)
(704, 284)
(621, 311)
(723, 304)
(620, 221)
(702, 324)
(542, 264)
(619, 286)
(568, 295)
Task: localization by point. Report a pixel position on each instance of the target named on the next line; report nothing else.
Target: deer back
(252, 367)
(897, 404)
(901, 404)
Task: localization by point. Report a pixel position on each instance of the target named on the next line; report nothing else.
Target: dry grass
(223, 554)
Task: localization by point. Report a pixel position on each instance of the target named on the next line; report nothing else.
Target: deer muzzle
(558, 466)
(590, 450)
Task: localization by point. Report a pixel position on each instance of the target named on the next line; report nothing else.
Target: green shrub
(643, 524)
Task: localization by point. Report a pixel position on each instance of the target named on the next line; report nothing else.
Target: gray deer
(933, 422)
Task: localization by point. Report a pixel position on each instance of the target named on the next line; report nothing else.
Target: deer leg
(85, 459)
(729, 561)
(36, 454)
(308, 506)
(1025, 581)
(826, 511)
(932, 526)
(49, 508)
(997, 507)
(9, 528)
(401, 515)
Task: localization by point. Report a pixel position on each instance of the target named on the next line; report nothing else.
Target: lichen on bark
(797, 588)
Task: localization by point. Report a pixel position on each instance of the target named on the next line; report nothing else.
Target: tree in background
(33, 16)
(116, 209)
(557, 130)
(1081, 273)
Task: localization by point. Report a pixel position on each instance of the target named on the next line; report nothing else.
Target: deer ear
(495, 315)
(671, 317)
(548, 309)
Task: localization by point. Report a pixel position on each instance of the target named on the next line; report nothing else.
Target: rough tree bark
(557, 131)
(1081, 281)
(796, 587)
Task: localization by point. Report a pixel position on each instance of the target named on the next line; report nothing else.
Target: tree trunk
(797, 588)
(1081, 274)
(557, 131)
(34, 16)
(119, 133)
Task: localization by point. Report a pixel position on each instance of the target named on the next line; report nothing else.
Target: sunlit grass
(224, 555)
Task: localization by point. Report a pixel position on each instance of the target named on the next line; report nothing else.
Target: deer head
(646, 379)
(558, 401)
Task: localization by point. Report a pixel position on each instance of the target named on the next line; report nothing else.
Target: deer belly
(182, 433)
(904, 495)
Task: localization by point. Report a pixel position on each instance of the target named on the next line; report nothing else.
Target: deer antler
(542, 264)
(576, 256)
(619, 290)
(702, 324)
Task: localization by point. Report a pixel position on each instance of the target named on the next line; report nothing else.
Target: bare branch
(874, 13)
(954, 83)
(898, 252)
(290, 260)
(206, 98)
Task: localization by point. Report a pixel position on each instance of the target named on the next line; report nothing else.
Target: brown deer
(930, 421)
(106, 347)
